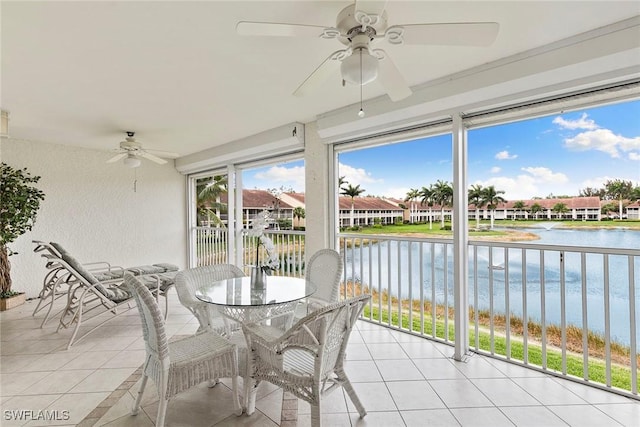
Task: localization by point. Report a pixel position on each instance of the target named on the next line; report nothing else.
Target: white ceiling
(176, 73)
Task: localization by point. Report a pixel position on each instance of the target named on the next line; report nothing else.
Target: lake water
(497, 287)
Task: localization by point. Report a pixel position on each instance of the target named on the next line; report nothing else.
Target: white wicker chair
(324, 270)
(190, 280)
(182, 364)
(308, 359)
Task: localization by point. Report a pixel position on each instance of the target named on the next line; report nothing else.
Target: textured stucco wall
(92, 210)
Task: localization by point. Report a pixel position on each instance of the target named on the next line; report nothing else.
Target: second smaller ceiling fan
(131, 151)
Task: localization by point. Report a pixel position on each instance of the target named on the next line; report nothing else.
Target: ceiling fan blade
(391, 79)
(330, 66)
(117, 157)
(448, 34)
(165, 154)
(151, 157)
(246, 28)
(372, 7)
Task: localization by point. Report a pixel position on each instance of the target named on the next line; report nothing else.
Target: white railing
(290, 247)
(211, 248)
(210, 245)
(526, 301)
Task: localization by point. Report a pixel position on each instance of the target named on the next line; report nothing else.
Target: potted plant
(19, 204)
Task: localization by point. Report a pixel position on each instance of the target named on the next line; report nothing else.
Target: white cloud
(597, 182)
(546, 175)
(496, 169)
(634, 156)
(602, 140)
(287, 177)
(395, 192)
(356, 176)
(524, 186)
(581, 123)
(520, 187)
(504, 155)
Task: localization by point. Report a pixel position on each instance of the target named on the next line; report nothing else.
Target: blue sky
(557, 154)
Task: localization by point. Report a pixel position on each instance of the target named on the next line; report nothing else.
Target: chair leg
(250, 391)
(315, 415)
(136, 405)
(236, 400)
(162, 411)
(346, 384)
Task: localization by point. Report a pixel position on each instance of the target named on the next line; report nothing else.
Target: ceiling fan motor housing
(349, 18)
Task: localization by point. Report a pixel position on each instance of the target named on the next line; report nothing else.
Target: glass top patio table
(238, 299)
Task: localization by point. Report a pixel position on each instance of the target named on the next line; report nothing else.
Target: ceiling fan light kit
(132, 161)
(361, 25)
(352, 66)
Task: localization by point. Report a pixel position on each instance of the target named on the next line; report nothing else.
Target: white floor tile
(504, 392)
(375, 419)
(386, 351)
(434, 369)
(398, 370)
(627, 414)
(374, 397)
(478, 367)
(548, 392)
(583, 416)
(481, 417)
(459, 393)
(413, 395)
(362, 371)
(102, 380)
(431, 418)
(532, 416)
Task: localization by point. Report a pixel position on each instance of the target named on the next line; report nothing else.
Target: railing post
(460, 225)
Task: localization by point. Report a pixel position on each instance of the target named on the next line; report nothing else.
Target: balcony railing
(565, 310)
(211, 248)
(569, 311)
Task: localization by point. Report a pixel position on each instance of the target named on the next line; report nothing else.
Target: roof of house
(258, 199)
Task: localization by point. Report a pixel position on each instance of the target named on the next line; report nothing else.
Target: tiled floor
(401, 379)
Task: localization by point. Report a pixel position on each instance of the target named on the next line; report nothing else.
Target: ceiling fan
(359, 27)
(131, 151)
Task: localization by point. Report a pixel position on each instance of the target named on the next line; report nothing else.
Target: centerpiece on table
(262, 268)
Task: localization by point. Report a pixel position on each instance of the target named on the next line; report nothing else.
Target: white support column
(192, 222)
(460, 240)
(318, 194)
(235, 244)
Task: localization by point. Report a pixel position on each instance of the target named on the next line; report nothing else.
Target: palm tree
(208, 192)
(342, 181)
(426, 198)
(535, 209)
(475, 198)
(519, 206)
(298, 213)
(352, 192)
(619, 190)
(412, 195)
(560, 209)
(443, 195)
(491, 197)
